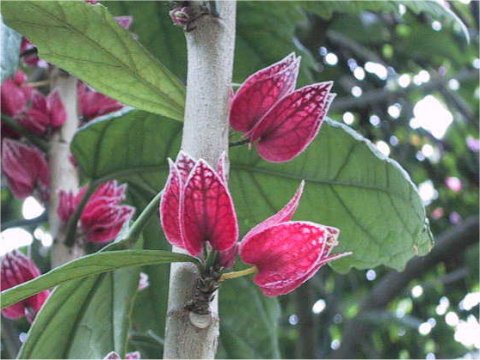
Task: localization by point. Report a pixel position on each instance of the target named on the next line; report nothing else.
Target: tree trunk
(210, 49)
(64, 174)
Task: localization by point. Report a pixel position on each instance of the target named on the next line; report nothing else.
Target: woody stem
(210, 48)
(63, 174)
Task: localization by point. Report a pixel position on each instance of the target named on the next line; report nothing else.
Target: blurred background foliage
(407, 79)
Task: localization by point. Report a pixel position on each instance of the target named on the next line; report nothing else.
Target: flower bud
(25, 168)
(16, 269)
(102, 217)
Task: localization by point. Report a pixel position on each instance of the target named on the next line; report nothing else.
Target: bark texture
(210, 49)
(64, 174)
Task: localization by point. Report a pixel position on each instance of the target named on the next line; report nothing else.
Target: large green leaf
(84, 318)
(10, 50)
(85, 40)
(265, 34)
(249, 321)
(87, 266)
(434, 8)
(349, 184)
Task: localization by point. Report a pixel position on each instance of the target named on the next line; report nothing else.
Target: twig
(238, 143)
(24, 222)
(14, 125)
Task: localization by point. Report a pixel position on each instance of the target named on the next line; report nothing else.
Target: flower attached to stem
(280, 121)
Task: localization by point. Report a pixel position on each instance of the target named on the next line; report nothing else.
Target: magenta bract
(43, 113)
(287, 253)
(25, 168)
(128, 356)
(102, 217)
(29, 54)
(280, 121)
(16, 269)
(15, 94)
(93, 104)
(197, 208)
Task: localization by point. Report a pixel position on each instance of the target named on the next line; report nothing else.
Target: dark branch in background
(453, 241)
(14, 125)
(25, 223)
(361, 51)
(381, 95)
(307, 342)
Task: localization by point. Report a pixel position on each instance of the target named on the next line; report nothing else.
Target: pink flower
(143, 281)
(124, 21)
(102, 217)
(180, 16)
(25, 168)
(44, 113)
(287, 253)
(93, 104)
(455, 218)
(437, 213)
(281, 122)
(29, 54)
(15, 94)
(453, 183)
(473, 144)
(197, 208)
(16, 269)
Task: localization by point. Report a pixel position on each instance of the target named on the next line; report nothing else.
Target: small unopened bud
(16, 269)
(180, 16)
(25, 168)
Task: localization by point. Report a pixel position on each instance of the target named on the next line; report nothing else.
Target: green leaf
(249, 326)
(155, 30)
(84, 318)
(434, 8)
(85, 40)
(101, 151)
(265, 34)
(87, 266)
(349, 184)
(10, 51)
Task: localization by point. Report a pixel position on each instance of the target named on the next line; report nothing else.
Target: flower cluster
(16, 269)
(103, 216)
(196, 207)
(197, 214)
(280, 122)
(36, 112)
(26, 169)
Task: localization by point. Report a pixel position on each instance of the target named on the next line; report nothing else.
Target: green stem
(238, 143)
(143, 218)
(72, 223)
(14, 125)
(237, 274)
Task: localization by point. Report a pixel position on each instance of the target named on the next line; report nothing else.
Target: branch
(450, 242)
(34, 139)
(383, 94)
(24, 222)
(210, 47)
(63, 173)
